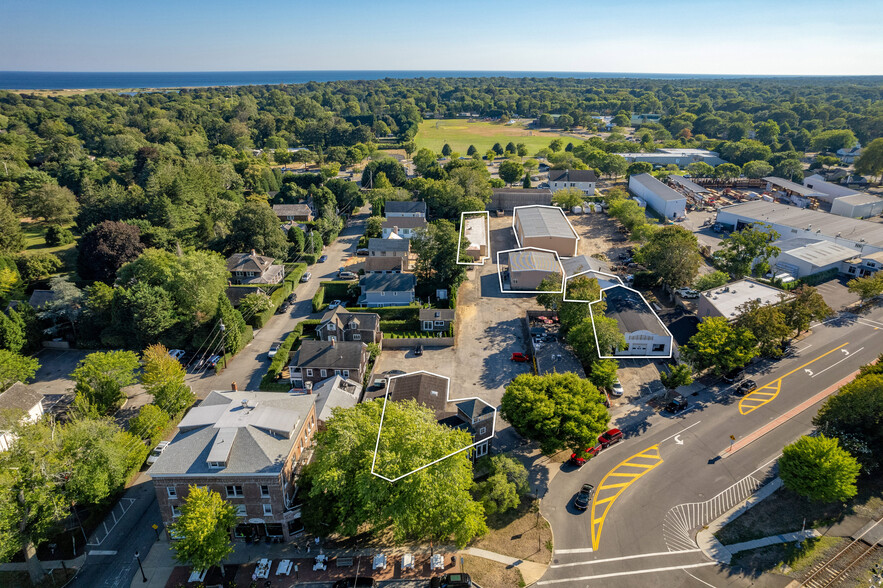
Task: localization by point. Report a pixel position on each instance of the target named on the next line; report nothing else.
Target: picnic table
(408, 561)
(379, 561)
(263, 569)
(284, 567)
(321, 562)
(437, 562)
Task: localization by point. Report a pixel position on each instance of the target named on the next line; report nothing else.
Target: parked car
(157, 451)
(356, 582)
(584, 497)
(362, 251)
(460, 580)
(346, 275)
(609, 438)
(334, 304)
(520, 357)
(418, 351)
(213, 361)
(745, 387)
(176, 353)
(306, 277)
(734, 375)
(616, 389)
(274, 349)
(677, 404)
(323, 259)
(292, 298)
(687, 293)
(284, 307)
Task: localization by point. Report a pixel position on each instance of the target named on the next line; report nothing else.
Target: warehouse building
(858, 206)
(726, 300)
(529, 267)
(545, 227)
(827, 191)
(678, 157)
(666, 202)
(803, 257)
(689, 188)
(644, 333)
(861, 236)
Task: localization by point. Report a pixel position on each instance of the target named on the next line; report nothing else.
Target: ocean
(51, 80)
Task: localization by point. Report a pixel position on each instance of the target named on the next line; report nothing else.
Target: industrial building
(803, 257)
(529, 267)
(827, 191)
(666, 202)
(679, 157)
(545, 227)
(689, 188)
(644, 333)
(858, 206)
(726, 300)
(583, 265)
(861, 236)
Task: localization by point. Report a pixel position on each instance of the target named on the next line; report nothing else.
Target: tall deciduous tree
(432, 503)
(511, 171)
(53, 203)
(556, 410)
(105, 249)
(672, 253)
(870, 162)
(502, 489)
(677, 375)
(741, 249)
(819, 469)
(16, 368)
(806, 306)
(867, 288)
(719, 346)
(100, 378)
(570, 313)
(11, 237)
(204, 529)
(256, 226)
(568, 198)
(767, 323)
(439, 249)
(163, 377)
(855, 416)
(757, 169)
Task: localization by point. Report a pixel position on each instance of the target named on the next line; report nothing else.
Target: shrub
(340, 290)
(57, 235)
(319, 300)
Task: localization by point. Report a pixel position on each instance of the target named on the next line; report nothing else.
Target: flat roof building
(475, 233)
(803, 257)
(509, 198)
(828, 191)
(790, 221)
(545, 227)
(725, 300)
(679, 157)
(858, 205)
(669, 203)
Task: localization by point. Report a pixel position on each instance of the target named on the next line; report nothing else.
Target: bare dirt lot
(598, 234)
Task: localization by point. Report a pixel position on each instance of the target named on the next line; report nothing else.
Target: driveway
(836, 294)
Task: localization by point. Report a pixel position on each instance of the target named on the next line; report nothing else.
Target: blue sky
(661, 36)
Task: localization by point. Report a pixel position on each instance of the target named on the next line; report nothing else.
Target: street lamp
(138, 559)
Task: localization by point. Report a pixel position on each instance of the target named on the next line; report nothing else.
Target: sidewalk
(531, 571)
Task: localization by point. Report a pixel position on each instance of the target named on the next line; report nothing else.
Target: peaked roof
(572, 175)
(405, 222)
(529, 260)
(583, 263)
(335, 392)
(20, 397)
(248, 262)
(343, 355)
(396, 244)
(388, 282)
(291, 210)
(658, 188)
(404, 206)
(631, 312)
(251, 432)
(436, 314)
(364, 320)
(542, 221)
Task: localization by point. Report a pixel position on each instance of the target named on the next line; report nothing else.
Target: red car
(579, 461)
(520, 357)
(610, 437)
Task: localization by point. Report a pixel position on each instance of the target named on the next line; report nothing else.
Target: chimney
(233, 387)
(395, 230)
(334, 342)
(253, 253)
(309, 387)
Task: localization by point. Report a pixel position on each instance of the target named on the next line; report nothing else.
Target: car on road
(306, 277)
(292, 298)
(745, 387)
(176, 353)
(687, 293)
(610, 437)
(284, 307)
(274, 349)
(460, 580)
(677, 404)
(356, 582)
(334, 304)
(346, 275)
(520, 357)
(616, 389)
(212, 361)
(157, 451)
(734, 375)
(323, 259)
(418, 351)
(584, 497)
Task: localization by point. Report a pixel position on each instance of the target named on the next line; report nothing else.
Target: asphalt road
(659, 486)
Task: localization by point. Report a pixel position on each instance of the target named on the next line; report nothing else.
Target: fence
(406, 342)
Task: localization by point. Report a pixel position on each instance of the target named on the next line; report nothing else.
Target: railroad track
(844, 568)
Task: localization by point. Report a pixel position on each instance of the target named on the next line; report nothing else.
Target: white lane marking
(629, 573)
(698, 580)
(99, 552)
(681, 431)
(678, 439)
(869, 325)
(582, 550)
(825, 322)
(870, 321)
(835, 363)
(802, 349)
(640, 555)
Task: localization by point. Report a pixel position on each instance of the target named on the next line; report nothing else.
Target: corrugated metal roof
(544, 221)
(789, 185)
(657, 187)
(817, 252)
(524, 261)
(688, 185)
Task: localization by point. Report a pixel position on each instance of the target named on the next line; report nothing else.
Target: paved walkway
(531, 571)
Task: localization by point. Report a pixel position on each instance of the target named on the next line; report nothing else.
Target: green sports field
(460, 134)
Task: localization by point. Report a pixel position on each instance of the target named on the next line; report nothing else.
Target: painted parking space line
(623, 558)
(628, 573)
(606, 494)
(754, 400)
(580, 550)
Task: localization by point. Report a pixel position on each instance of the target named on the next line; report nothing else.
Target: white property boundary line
(595, 331)
(447, 399)
(500, 272)
(487, 234)
(564, 287)
(559, 209)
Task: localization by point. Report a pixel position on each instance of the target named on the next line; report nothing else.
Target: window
(176, 512)
(172, 492)
(216, 465)
(383, 293)
(234, 492)
(268, 510)
(481, 450)
(240, 510)
(336, 372)
(265, 491)
(659, 347)
(427, 325)
(434, 392)
(346, 373)
(357, 336)
(439, 323)
(309, 373)
(323, 373)
(482, 430)
(852, 270)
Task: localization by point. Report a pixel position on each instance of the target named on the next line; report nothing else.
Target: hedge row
(319, 300)
(392, 313)
(340, 290)
(417, 334)
(269, 382)
(399, 326)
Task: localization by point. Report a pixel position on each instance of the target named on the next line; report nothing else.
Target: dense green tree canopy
(719, 346)
(855, 416)
(819, 469)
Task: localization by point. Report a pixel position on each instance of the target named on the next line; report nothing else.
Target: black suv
(584, 497)
(677, 404)
(745, 387)
(451, 581)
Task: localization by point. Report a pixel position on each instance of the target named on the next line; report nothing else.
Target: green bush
(258, 320)
(821, 277)
(319, 300)
(340, 290)
(57, 235)
(294, 272)
(247, 336)
(309, 258)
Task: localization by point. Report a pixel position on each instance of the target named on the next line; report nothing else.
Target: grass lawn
(784, 511)
(35, 240)
(764, 559)
(517, 534)
(491, 574)
(460, 134)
